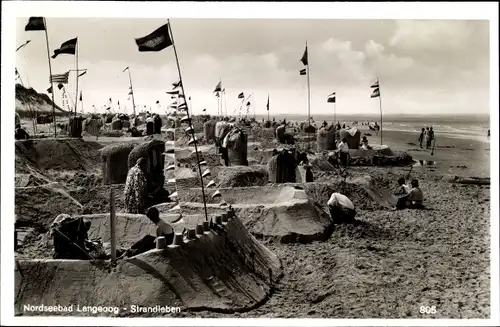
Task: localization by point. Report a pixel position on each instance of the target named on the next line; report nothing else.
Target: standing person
(20, 133)
(421, 137)
(431, 133)
(427, 138)
(344, 151)
(136, 191)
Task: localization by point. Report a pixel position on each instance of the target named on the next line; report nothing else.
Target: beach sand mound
(57, 154)
(242, 176)
(273, 212)
(223, 271)
(38, 206)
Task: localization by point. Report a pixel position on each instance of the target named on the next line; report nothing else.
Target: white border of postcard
(346, 10)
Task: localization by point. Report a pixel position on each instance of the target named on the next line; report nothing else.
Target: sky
(424, 66)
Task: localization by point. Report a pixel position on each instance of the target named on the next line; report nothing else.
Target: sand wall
(225, 271)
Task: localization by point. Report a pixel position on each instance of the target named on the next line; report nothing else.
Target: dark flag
(248, 103)
(304, 58)
(81, 96)
(49, 90)
(68, 47)
(173, 92)
(204, 110)
(374, 85)
(331, 98)
(177, 84)
(241, 96)
(267, 102)
(156, 41)
(118, 103)
(60, 86)
(157, 101)
(125, 69)
(189, 99)
(35, 24)
(218, 87)
(376, 93)
(303, 71)
(85, 72)
(23, 45)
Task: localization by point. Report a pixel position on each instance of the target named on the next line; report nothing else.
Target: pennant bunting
(303, 71)
(49, 90)
(374, 85)
(304, 58)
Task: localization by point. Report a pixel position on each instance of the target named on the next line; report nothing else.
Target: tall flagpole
(225, 102)
(380, 104)
(131, 89)
(190, 122)
(308, 90)
(51, 82)
(77, 72)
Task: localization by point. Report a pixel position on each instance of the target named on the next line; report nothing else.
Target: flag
(177, 84)
(218, 87)
(49, 90)
(173, 92)
(23, 45)
(217, 94)
(60, 86)
(118, 102)
(35, 24)
(376, 93)
(80, 95)
(59, 78)
(374, 85)
(267, 102)
(331, 98)
(156, 41)
(17, 73)
(85, 72)
(303, 71)
(241, 96)
(304, 58)
(157, 101)
(125, 69)
(189, 99)
(129, 92)
(68, 47)
(248, 103)
(204, 110)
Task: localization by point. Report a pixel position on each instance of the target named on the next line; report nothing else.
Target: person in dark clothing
(157, 124)
(421, 137)
(20, 133)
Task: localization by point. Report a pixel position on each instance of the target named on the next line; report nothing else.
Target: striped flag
(156, 41)
(68, 47)
(376, 93)
(59, 78)
(374, 85)
(303, 71)
(241, 95)
(331, 98)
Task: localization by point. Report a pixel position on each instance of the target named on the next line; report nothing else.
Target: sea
(465, 127)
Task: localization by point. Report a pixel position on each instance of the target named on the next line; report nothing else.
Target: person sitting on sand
(343, 149)
(364, 144)
(341, 208)
(163, 228)
(402, 187)
(136, 191)
(20, 133)
(413, 199)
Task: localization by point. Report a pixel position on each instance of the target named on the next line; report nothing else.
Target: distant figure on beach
(338, 127)
(431, 134)
(421, 137)
(343, 149)
(341, 209)
(413, 199)
(402, 187)
(150, 125)
(343, 126)
(364, 144)
(136, 187)
(377, 128)
(20, 133)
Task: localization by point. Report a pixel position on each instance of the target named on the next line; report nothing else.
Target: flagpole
(131, 89)
(190, 122)
(308, 90)
(380, 104)
(76, 101)
(335, 110)
(51, 82)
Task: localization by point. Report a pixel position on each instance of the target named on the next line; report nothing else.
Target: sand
(392, 262)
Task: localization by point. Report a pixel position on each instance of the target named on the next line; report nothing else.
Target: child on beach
(402, 187)
(343, 151)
